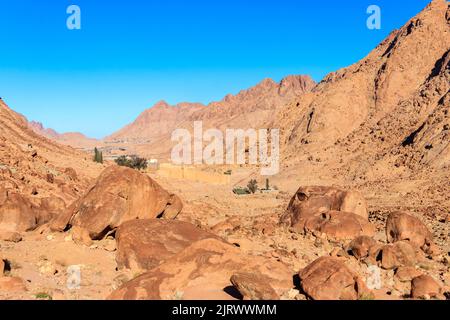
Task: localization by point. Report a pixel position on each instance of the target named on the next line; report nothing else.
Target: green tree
(98, 156)
(252, 186)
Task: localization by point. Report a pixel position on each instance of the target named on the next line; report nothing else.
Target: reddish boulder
(81, 236)
(402, 226)
(253, 287)
(311, 201)
(50, 208)
(144, 244)
(328, 278)
(339, 225)
(202, 271)
(425, 287)
(405, 274)
(17, 213)
(120, 194)
(10, 236)
(360, 247)
(392, 256)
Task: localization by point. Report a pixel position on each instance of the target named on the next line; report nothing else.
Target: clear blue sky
(130, 54)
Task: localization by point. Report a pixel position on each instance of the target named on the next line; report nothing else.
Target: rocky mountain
(363, 198)
(249, 108)
(74, 139)
(392, 106)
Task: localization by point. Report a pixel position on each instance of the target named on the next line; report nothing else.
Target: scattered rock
(110, 245)
(253, 287)
(202, 271)
(360, 247)
(144, 244)
(402, 226)
(47, 268)
(71, 174)
(17, 213)
(392, 256)
(312, 201)
(406, 274)
(339, 225)
(81, 236)
(425, 287)
(328, 278)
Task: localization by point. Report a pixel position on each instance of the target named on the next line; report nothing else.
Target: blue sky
(130, 54)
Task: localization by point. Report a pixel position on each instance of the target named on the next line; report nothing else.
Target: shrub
(252, 186)
(133, 162)
(43, 296)
(241, 191)
(228, 172)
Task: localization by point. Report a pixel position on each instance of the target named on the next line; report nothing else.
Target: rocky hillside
(38, 167)
(392, 106)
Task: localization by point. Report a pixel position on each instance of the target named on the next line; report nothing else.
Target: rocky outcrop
(17, 213)
(425, 287)
(360, 247)
(120, 194)
(144, 244)
(340, 213)
(253, 287)
(402, 226)
(202, 272)
(392, 256)
(339, 225)
(328, 278)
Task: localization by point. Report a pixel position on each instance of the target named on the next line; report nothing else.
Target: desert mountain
(391, 106)
(367, 151)
(249, 108)
(74, 139)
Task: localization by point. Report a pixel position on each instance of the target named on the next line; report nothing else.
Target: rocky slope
(394, 101)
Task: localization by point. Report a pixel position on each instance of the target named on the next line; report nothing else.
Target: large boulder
(392, 256)
(328, 278)
(339, 225)
(144, 244)
(360, 247)
(50, 208)
(425, 287)
(17, 213)
(202, 271)
(120, 194)
(310, 201)
(402, 226)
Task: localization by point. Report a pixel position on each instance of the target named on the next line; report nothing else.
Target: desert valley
(360, 208)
